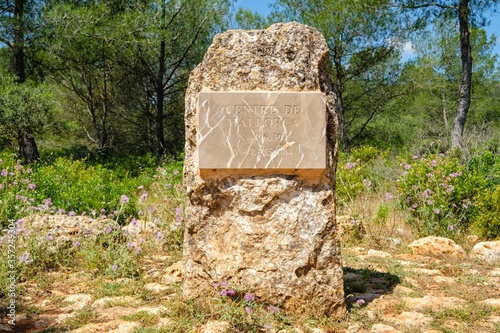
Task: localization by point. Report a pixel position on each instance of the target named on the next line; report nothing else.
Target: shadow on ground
(364, 285)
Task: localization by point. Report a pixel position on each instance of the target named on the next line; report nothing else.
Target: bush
(487, 222)
(439, 191)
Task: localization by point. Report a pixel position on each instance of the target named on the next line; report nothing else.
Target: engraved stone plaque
(262, 130)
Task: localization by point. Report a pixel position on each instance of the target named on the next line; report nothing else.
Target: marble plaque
(262, 130)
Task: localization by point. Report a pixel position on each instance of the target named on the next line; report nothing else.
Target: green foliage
(438, 192)
(487, 222)
(76, 186)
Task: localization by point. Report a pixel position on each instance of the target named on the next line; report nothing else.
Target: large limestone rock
(271, 232)
(437, 247)
(488, 251)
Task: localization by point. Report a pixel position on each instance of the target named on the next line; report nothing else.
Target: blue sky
(262, 6)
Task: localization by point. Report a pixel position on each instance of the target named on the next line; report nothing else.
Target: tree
(364, 38)
(468, 13)
(14, 19)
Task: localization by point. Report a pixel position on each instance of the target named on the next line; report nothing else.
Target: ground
(385, 291)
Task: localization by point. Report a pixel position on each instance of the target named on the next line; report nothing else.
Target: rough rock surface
(437, 247)
(489, 251)
(274, 235)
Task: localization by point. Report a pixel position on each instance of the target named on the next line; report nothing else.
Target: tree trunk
(27, 144)
(338, 89)
(466, 77)
(29, 149)
(160, 95)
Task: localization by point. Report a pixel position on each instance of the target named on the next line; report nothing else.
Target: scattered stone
(427, 271)
(114, 326)
(437, 247)
(399, 289)
(408, 318)
(5, 328)
(213, 326)
(433, 302)
(473, 239)
(173, 273)
(378, 254)
(440, 279)
(155, 287)
(77, 302)
(382, 328)
(492, 302)
(488, 251)
(353, 328)
(495, 272)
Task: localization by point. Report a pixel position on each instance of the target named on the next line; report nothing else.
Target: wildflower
(151, 209)
(124, 199)
(223, 292)
(224, 284)
(176, 172)
(140, 187)
(350, 165)
(131, 244)
(47, 202)
(433, 163)
(71, 213)
(216, 285)
(268, 327)
(25, 258)
(61, 211)
(144, 195)
(178, 216)
(415, 157)
(367, 183)
(407, 167)
(159, 236)
(31, 186)
(76, 244)
(137, 250)
(114, 267)
(429, 202)
(388, 196)
(139, 213)
(430, 174)
(436, 211)
(450, 227)
(169, 185)
(360, 302)
(249, 297)
(50, 237)
(273, 309)
(109, 229)
(415, 206)
(133, 222)
(248, 310)
(231, 292)
(103, 210)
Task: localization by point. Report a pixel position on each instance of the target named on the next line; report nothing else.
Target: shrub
(438, 191)
(487, 222)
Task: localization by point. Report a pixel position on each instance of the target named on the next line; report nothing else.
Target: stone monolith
(259, 171)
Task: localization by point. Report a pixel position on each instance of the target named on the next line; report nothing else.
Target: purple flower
(159, 236)
(360, 302)
(223, 292)
(134, 222)
(109, 229)
(25, 258)
(450, 227)
(268, 327)
(224, 284)
(249, 297)
(71, 213)
(151, 209)
(31, 186)
(231, 292)
(273, 309)
(76, 244)
(415, 206)
(433, 163)
(436, 211)
(144, 195)
(429, 202)
(131, 244)
(407, 167)
(50, 237)
(124, 199)
(248, 310)
(103, 210)
(140, 187)
(176, 172)
(4, 173)
(430, 174)
(114, 267)
(415, 157)
(216, 285)
(388, 196)
(350, 165)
